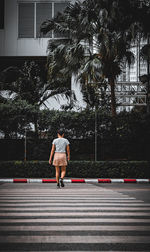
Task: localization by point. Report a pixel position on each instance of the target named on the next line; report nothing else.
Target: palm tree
(26, 85)
(106, 27)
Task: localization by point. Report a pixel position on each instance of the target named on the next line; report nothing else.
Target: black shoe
(62, 182)
(58, 185)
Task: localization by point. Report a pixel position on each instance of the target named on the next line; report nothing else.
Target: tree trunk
(113, 97)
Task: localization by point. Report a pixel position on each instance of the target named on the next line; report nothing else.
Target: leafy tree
(107, 28)
(145, 53)
(15, 117)
(27, 84)
(76, 124)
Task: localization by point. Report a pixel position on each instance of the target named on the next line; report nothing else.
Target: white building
(20, 37)
(130, 90)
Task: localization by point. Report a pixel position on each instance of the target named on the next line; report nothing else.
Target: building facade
(21, 40)
(130, 91)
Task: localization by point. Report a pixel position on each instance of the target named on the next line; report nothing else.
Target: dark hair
(60, 132)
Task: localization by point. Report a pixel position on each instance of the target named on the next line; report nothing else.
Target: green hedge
(79, 169)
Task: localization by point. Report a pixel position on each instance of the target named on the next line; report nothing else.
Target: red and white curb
(98, 180)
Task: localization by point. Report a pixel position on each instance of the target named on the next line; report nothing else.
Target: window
(31, 16)
(43, 12)
(59, 7)
(26, 20)
(1, 14)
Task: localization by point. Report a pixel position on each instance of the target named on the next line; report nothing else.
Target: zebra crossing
(79, 217)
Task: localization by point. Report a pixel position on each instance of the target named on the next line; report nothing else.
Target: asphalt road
(80, 217)
(140, 191)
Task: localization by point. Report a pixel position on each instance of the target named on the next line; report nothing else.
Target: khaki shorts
(60, 159)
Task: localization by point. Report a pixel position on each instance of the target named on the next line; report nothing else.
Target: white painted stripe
(34, 180)
(91, 180)
(74, 239)
(142, 180)
(67, 181)
(69, 201)
(64, 198)
(76, 220)
(108, 195)
(78, 196)
(64, 195)
(47, 188)
(6, 180)
(62, 191)
(75, 228)
(117, 180)
(71, 208)
(78, 204)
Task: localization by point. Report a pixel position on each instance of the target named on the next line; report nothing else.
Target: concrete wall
(10, 44)
(14, 46)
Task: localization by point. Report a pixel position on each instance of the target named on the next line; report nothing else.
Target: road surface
(80, 217)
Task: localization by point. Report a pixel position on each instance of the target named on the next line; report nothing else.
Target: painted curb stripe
(78, 180)
(6, 180)
(67, 180)
(20, 180)
(117, 180)
(104, 180)
(129, 180)
(91, 180)
(142, 180)
(98, 180)
(48, 180)
(34, 180)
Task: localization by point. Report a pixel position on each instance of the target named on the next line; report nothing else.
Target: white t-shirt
(60, 144)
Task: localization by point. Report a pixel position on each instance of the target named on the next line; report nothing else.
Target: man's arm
(52, 152)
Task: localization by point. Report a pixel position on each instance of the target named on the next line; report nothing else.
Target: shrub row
(79, 169)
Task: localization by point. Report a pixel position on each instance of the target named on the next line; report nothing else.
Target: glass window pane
(43, 12)
(59, 7)
(1, 14)
(26, 20)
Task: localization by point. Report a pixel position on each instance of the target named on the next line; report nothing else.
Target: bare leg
(63, 171)
(57, 173)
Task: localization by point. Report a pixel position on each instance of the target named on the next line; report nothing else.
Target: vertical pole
(71, 99)
(25, 146)
(95, 133)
